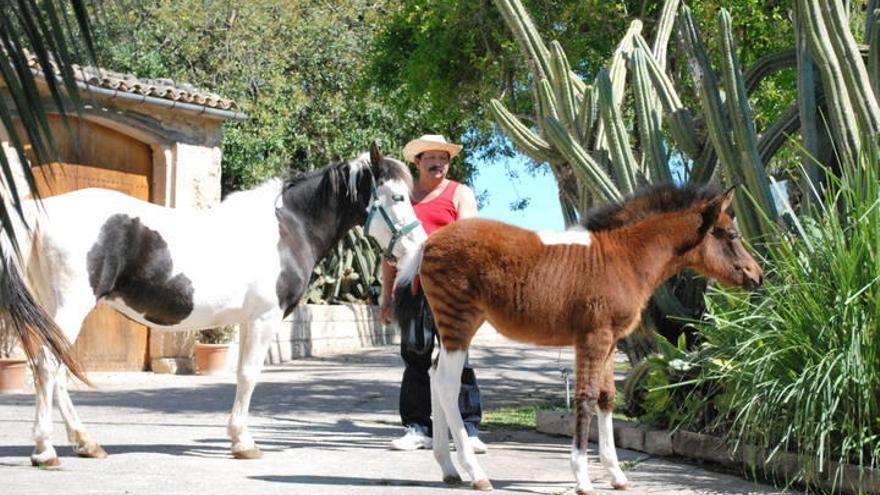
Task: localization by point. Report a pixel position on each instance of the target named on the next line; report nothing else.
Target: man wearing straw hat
(437, 201)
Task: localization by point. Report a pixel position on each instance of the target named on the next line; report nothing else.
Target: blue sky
(509, 180)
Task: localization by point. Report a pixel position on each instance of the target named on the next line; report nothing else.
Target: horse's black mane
(648, 201)
(333, 180)
(294, 177)
(389, 169)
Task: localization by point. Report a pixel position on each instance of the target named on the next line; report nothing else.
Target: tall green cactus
(842, 113)
(581, 133)
(750, 167)
(349, 274)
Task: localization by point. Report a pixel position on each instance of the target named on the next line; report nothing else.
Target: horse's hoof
(254, 453)
(91, 450)
(620, 486)
(580, 491)
(53, 462)
(482, 485)
(452, 479)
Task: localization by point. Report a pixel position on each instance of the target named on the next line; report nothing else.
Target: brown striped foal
(585, 288)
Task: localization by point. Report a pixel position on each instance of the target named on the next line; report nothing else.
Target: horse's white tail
(19, 310)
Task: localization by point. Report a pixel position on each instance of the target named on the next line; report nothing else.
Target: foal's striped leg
(456, 319)
(447, 384)
(607, 450)
(441, 433)
(591, 350)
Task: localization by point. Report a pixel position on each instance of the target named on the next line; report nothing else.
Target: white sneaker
(413, 439)
(478, 445)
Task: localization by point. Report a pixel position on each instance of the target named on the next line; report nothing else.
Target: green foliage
(802, 362)
(662, 391)
(518, 418)
(217, 335)
(454, 56)
(296, 68)
(797, 367)
(510, 418)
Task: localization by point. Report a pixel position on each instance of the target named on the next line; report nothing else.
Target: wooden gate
(96, 156)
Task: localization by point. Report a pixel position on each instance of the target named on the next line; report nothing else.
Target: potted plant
(13, 365)
(211, 349)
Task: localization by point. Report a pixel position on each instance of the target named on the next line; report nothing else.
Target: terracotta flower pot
(211, 358)
(12, 375)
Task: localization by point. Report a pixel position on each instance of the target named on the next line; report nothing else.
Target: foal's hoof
(91, 450)
(482, 485)
(254, 453)
(52, 462)
(620, 486)
(452, 479)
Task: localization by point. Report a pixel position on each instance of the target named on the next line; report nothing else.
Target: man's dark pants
(415, 390)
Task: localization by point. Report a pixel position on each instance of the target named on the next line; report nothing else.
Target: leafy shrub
(217, 335)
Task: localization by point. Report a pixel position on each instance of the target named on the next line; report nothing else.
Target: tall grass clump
(799, 363)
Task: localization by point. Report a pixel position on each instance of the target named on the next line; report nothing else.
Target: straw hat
(429, 142)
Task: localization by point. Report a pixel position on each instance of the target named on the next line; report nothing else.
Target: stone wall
(320, 330)
(323, 330)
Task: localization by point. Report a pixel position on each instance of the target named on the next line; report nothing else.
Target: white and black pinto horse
(246, 262)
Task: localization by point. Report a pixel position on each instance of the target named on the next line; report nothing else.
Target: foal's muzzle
(752, 278)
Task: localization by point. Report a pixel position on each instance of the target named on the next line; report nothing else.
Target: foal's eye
(728, 234)
(397, 197)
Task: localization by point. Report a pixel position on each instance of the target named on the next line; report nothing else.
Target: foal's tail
(406, 302)
(19, 311)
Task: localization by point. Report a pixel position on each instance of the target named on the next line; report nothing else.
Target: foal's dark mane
(648, 201)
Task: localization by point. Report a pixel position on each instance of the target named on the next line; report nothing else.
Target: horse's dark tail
(20, 312)
(407, 302)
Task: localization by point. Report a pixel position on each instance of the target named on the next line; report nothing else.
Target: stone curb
(708, 448)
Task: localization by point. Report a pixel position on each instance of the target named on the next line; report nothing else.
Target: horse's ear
(375, 155)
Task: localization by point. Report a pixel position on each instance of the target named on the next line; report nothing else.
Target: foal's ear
(375, 154)
(710, 211)
(727, 198)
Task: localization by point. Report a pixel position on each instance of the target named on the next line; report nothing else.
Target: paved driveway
(324, 426)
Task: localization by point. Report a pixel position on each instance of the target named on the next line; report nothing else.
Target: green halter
(396, 233)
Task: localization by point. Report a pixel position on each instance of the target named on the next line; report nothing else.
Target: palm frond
(37, 41)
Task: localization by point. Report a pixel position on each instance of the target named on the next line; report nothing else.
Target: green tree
(296, 68)
(452, 57)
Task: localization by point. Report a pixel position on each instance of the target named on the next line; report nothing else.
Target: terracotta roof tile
(158, 88)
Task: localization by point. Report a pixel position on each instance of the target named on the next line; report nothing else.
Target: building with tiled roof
(150, 138)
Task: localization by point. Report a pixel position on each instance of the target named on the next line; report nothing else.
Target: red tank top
(439, 211)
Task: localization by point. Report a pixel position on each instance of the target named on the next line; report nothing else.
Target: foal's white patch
(580, 468)
(408, 266)
(573, 236)
(607, 450)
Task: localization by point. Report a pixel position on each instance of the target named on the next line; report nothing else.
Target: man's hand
(385, 312)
